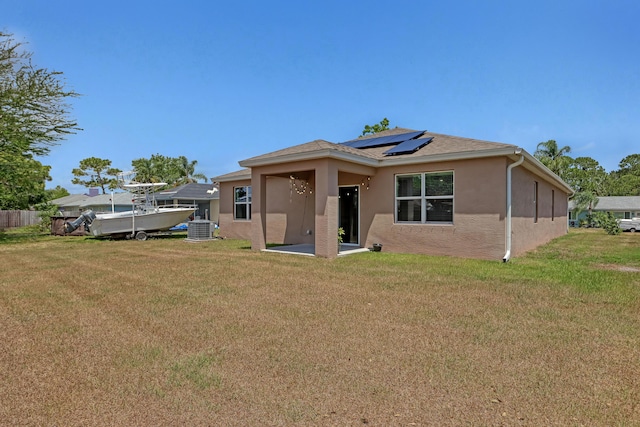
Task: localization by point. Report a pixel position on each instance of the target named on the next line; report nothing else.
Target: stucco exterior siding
(527, 233)
(290, 216)
(296, 198)
(229, 227)
(478, 221)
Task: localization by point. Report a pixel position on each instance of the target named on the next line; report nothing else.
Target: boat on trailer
(144, 218)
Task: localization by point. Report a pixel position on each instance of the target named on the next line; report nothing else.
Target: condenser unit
(199, 229)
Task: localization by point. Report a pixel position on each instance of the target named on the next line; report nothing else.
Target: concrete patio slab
(308, 249)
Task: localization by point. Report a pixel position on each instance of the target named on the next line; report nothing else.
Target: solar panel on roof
(383, 140)
(405, 136)
(407, 147)
(368, 143)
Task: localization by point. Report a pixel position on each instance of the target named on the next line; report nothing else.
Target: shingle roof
(105, 200)
(84, 201)
(440, 145)
(309, 147)
(440, 148)
(71, 199)
(233, 176)
(615, 203)
(191, 191)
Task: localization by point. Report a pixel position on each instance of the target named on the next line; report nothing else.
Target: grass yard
(165, 332)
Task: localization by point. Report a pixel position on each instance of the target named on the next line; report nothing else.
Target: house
(204, 196)
(622, 207)
(411, 191)
(73, 204)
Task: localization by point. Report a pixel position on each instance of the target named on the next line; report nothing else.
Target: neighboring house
(411, 191)
(73, 204)
(205, 196)
(623, 207)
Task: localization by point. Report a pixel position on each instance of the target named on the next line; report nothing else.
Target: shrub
(609, 223)
(47, 210)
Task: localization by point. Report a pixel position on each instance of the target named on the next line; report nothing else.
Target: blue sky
(219, 82)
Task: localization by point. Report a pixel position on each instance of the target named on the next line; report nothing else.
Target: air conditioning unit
(199, 229)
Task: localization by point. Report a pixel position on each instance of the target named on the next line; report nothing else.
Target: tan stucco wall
(290, 215)
(478, 229)
(528, 234)
(229, 227)
(478, 221)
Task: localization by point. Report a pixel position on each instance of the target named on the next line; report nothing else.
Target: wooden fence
(12, 219)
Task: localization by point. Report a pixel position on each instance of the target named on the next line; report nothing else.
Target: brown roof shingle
(441, 144)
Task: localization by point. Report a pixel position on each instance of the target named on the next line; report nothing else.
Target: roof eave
(238, 177)
(311, 155)
(433, 158)
(512, 152)
(536, 165)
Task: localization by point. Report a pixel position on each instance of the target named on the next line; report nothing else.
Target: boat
(144, 218)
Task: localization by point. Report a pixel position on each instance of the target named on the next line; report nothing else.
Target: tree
(585, 200)
(98, 170)
(33, 117)
(553, 157)
(22, 181)
(626, 180)
(585, 174)
(172, 170)
(378, 127)
(158, 168)
(56, 193)
(32, 100)
(188, 172)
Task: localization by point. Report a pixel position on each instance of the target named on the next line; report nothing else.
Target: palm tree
(144, 170)
(187, 171)
(552, 157)
(585, 200)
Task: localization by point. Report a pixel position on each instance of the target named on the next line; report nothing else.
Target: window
(553, 205)
(424, 198)
(242, 203)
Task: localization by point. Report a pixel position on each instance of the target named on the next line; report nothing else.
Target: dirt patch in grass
(166, 333)
(624, 268)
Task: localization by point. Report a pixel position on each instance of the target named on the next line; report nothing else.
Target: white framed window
(424, 198)
(242, 203)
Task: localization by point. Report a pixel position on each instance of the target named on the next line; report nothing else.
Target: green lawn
(165, 332)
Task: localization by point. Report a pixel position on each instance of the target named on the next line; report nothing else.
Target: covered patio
(315, 171)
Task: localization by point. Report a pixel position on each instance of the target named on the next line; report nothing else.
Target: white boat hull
(160, 219)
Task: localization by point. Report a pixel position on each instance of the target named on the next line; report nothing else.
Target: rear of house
(439, 195)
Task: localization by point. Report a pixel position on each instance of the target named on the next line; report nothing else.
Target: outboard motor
(86, 216)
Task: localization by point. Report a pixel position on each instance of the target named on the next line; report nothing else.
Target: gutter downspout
(507, 255)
